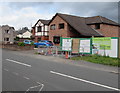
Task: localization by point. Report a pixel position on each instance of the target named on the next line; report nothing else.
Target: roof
(79, 24)
(99, 19)
(46, 22)
(21, 31)
(7, 27)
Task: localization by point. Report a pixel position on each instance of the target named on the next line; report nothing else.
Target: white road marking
(41, 88)
(86, 81)
(15, 73)
(41, 85)
(26, 77)
(19, 62)
(6, 69)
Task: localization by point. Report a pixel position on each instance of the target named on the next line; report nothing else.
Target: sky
(26, 14)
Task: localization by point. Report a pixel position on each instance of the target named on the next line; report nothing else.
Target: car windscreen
(41, 41)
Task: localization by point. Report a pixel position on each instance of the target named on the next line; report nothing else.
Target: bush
(17, 39)
(32, 43)
(21, 44)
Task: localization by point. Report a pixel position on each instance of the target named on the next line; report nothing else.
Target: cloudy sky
(25, 14)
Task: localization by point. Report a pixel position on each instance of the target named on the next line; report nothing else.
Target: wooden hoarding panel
(75, 45)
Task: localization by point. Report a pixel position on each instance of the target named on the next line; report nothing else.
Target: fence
(52, 50)
(59, 51)
(105, 46)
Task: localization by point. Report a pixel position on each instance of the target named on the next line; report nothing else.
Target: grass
(100, 60)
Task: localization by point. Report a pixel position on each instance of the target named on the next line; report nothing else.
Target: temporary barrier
(66, 44)
(106, 46)
(85, 46)
(119, 47)
(77, 45)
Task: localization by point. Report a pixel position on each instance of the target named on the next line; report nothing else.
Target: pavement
(26, 71)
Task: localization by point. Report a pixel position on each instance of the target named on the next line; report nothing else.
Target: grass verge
(99, 60)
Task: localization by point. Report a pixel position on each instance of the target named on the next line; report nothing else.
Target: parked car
(44, 43)
(28, 41)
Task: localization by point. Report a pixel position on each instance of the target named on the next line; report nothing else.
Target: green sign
(102, 43)
(119, 47)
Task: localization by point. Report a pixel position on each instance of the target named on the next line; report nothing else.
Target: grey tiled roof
(99, 19)
(79, 24)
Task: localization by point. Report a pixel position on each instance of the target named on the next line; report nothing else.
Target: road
(26, 73)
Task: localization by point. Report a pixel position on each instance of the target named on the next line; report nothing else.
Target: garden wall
(16, 47)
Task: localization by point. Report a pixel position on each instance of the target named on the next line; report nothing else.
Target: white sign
(66, 44)
(85, 46)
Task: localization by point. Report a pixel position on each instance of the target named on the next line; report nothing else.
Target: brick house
(40, 30)
(69, 26)
(106, 27)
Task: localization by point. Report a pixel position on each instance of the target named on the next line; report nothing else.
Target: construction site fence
(59, 51)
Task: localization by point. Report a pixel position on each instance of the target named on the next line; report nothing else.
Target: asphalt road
(25, 73)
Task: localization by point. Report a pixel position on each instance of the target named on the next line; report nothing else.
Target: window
(7, 31)
(39, 29)
(61, 26)
(97, 26)
(6, 39)
(52, 27)
(56, 39)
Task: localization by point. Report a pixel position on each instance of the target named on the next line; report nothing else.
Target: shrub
(21, 44)
(17, 38)
(32, 43)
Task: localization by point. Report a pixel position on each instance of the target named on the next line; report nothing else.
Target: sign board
(119, 48)
(103, 43)
(77, 45)
(66, 44)
(106, 46)
(85, 46)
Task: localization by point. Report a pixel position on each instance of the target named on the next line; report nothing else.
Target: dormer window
(97, 26)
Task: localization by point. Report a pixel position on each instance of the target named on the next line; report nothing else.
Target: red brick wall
(44, 38)
(66, 32)
(108, 30)
(33, 31)
(37, 38)
(57, 31)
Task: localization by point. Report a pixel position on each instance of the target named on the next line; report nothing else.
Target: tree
(25, 28)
